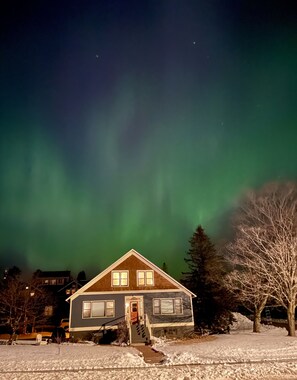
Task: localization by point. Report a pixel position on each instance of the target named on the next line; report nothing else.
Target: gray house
(136, 291)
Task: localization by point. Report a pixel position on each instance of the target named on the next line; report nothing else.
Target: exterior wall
(186, 317)
(164, 324)
(172, 331)
(132, 264)
(77, 321)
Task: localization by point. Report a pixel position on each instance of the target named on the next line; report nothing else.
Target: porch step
(139, 334)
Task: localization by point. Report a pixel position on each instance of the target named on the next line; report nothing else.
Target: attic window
(145, 278)
(119, 278)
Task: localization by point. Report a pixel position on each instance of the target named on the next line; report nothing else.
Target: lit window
(48, 311)
(53, 281)
(145, 278)
(96, 309)
(167, 306)
(119, 278)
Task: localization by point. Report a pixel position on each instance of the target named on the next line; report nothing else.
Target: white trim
(118, 262)
(145, 271)
(131, 291)
(173, 304)
(153, 325)
(97, 301)
(120, 277)
(93, 328)
(139, 299)
(169, 324)
(70, 314)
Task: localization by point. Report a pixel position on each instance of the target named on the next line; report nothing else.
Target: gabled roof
(122, 259)
(69, 284)
(53, 274)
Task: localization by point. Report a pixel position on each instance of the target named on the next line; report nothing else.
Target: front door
(134, 311)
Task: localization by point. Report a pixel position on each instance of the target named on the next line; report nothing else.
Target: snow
(239, 355)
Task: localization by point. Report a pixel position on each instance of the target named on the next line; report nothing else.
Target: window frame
(105, 309)
(120, 278)
(145, 271)
(177, 309)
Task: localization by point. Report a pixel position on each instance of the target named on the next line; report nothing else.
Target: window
(61, 281)
(167, 306)
(119, 278)
(145, 278)
(48, 311)
(95, 309)
(53, 281)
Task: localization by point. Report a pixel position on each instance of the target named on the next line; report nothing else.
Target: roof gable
(53, 274)
(131, 261)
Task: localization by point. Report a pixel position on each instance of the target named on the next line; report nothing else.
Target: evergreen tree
(164, 267)
(81, 276)
(205, 279)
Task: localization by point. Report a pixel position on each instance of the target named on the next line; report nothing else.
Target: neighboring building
(54, 278)
(59, 285)
(136, 291)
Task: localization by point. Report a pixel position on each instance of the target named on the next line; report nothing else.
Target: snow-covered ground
(239, 355)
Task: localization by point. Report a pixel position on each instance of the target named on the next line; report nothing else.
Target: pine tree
(164, 267)
(205, 279)
(81, 276)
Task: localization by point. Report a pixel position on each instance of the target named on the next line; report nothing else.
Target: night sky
(125, 124)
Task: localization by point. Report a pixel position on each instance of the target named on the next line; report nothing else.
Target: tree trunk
(257, 320)
(257, 315)
(291, 318)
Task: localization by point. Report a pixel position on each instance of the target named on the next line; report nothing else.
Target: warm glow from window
(119, 278)
(145, 278)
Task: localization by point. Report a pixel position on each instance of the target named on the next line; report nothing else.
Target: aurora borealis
(125, 124)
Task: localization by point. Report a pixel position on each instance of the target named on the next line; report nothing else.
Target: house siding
(186, 316)
(132, 264)
(77, 320)
(93, 323)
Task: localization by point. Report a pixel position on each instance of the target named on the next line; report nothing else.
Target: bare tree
(265, 246)
(22, 304)
(249, 290)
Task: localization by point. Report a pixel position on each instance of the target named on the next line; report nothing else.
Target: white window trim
(145, 271)
(119, 271)
(94, 301)
(160, 299)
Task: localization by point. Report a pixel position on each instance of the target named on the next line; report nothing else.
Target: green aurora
(134, 143)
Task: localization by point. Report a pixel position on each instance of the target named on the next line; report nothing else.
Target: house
(136, 291)
(58, 285)
(53, 278)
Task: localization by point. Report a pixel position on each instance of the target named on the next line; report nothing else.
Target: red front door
(134, 316)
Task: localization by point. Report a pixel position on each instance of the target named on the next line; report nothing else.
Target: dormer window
(119, 278)
(145, 278)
